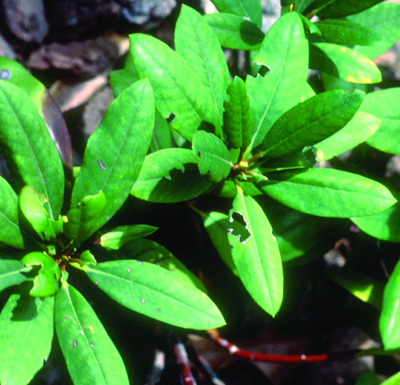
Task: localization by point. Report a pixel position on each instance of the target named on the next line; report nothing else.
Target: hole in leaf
(239, 227)
(170, 118)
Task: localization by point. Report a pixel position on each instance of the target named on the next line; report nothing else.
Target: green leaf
(328, 192)
(238, 119)
(169, 176)
(255, 253)
(393, 380)
(122, 79)
(45, 104)
(31, 204)
(344, 63)
(285, 52)
(197, 44)
(249, 9)
(151, 290)
(26, 333)
(30, 153)
(116, 150)
(302, 5)
(90, 354)
(86, 218)
(341, 8)
(310, 122)
(390, 316)
(46, 282)
(348, 33)
(214, 158)
(360, 285)
(10, 273)
(161, 137)
(385, 105)
(122, 235)
(10, 232)
(150, 251)
(310, 27)
(357, 131)
(384, 225)
(382, 19)
(235, 32)
(307, 93)
(177, 89)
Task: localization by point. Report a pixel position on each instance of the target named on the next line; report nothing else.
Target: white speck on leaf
(142, 300)
(102, 165)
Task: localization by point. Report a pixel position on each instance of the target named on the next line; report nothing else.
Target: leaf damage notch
(239, 227)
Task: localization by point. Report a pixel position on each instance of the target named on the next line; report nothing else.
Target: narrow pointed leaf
(26, 334)
(10, 273)
(25, 141)
(45, 104)
(152, 252)
(86, 218)
(382, 19)
(341, 8)
(151, 290)
(357, 131)
(116, 150)
(310, 122)
(285, 52)
(122, 79)
(177, 88)
(214, 158)
(90, 354)
(123, 235)
(390, 316)
(385, 105)
(343, 63)
(238, 118)
(348, 33)
(384, 225)
(256, 254)
(170, 175)
(249, 9)
(235, 32)
(10, 232)
(197, 44)
(328, 192)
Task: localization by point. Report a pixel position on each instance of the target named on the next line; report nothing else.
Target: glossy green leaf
(341, 8)
(152, 290)
(393, 380)
(26, 334)
(31, 204)
(170, 175)
(30, 153)
(234, 31)
(357, 131)
(116, 150)
(45, 104)
(177, 88)
(10, 273)
(344, 63)
(122, 79)
(214, 158)
(229, 190)
(348, 33)
(385, 105)
(384, 20)
(310, 122)
(161, 137)
(310, 27)
(307, 93)
(90, 354)
(238, 119)
(256, 254)
(333, 83)
(197, 44)
(302, 5)
(10, 232)
(46, 282)
(86, 218)
(360, 285)
(285, 52)
(390, 316)
(249, 9)
(328, 192)
(384, 225)
(152, 252)
(122, 235)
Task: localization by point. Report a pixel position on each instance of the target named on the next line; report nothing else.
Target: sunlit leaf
(11, 273)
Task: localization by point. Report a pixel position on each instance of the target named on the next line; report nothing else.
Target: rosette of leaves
(47, 218)
(262, 135)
